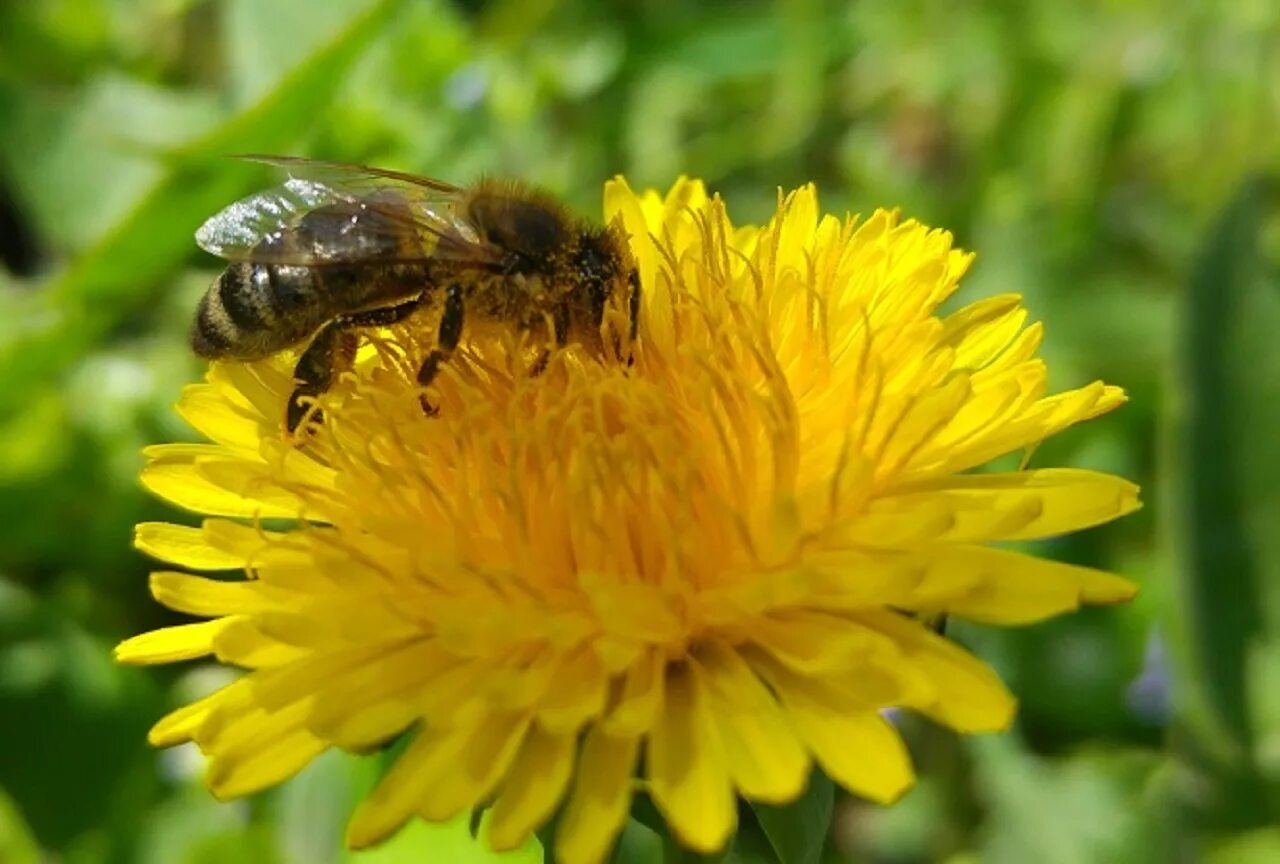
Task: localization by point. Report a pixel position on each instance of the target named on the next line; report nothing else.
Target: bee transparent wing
(350, 176)
(330, 213)
(236, 231)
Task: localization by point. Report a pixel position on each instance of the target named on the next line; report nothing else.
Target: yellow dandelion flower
(694, 573)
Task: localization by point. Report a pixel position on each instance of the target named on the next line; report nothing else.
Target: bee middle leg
(332, 352)
(446, 340)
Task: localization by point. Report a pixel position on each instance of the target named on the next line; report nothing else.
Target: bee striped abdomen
(254, 310)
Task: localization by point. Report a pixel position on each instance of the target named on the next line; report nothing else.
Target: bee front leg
(332, 352)
(446, 340)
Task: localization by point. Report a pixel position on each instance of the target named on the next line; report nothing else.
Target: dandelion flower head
(696, 573)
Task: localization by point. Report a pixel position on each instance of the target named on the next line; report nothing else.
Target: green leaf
(1227, 505)
(1256, 847)
(257, 57)
(1077, 810)
(313, 807)
(17, 845)
(674, 853)
(798, 831)
(637, 845)
(646, 813)
(116, 277)
(191, 827)
(446, 841)
(75, 194)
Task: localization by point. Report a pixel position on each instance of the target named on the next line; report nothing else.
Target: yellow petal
(982, 331)
(397, 795)
(260, 750)
(640, 610)
(242, 644)
(219, 419)
(533, 787)
(999, 401)
(685, 195)
(184, 452)
(381, 698)
(183, 484)
(967, 695)
(998, 586)
(1021, 505)
(1045, 419)
(363, 727)
(764, 757)
(180, 544)
(178, 726)
(184, 723)
(442, 773)
(881, 680)
(276, 688)
(819, 643)
(483, 756)
(196, 595)
(169, 644)
(243, 542)
(686, 769)
(853, 744)
(577, 693)
(640, 701)
(298, 466)
(923, 418)
(862, 752)
(621, 203)
(276, 490)
(601, 796)
(259, 387)
(794, 227)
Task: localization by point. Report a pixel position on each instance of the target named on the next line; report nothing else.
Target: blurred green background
(1112, 161)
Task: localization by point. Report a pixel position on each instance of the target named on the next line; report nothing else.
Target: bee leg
(559, 333)
(332, 350)
(633, 307)
(383, 316)
(446, 340)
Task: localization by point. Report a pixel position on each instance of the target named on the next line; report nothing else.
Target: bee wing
(349, 175)
(333, 213)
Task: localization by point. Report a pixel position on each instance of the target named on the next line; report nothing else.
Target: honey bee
(337, 248)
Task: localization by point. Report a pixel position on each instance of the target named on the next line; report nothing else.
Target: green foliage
(451, 841)
(1095, 156)
(797, 832)
(1226, 510)
(17, 846)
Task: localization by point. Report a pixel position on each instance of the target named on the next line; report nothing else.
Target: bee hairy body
(313, 262)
